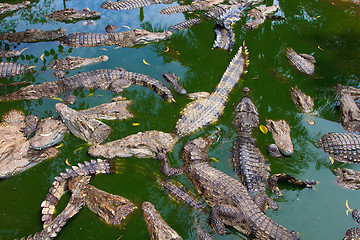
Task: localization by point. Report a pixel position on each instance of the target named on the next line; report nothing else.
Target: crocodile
(73, 15)
(247, 160)
(229, 199)
(132, 4)
(274, 150)
(74, 205)
(83, 126)
(197, 95)
(302, 62)
(33, 35)
(6, 7)
(70, 63)
(349, 111)
(122, 39)
(60, 185)
(352, 234)
(141, 145)
(179, 193)
(109, 111)
(201, 233)
(348, 178)
(114, 80)
(205, 111)
(30, 122)
(304, 102)
(8, 53)
(16, 155)
(185, 24)
(157, 227)
(342, 147)
(49, 132)
(225, 38)
(196, 5)
(111, 208)
(8, 69)
(259, 14)
(174, 82)
(281, 134)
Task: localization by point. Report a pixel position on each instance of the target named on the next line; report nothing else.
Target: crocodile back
(300, 63)
(343, 147)
(186, 24)
(81, 39)
(8, 69)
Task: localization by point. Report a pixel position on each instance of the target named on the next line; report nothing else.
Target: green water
(328, 30)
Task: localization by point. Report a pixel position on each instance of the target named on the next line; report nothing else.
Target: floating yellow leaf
(90, 94)
(23, 49)
(136, 124)
(117, 47)
(59, 146)
(78, 149)
(126, 27)
(318, 16)
(197, 14)
(56, 98)
(348, 208)
(42, 57)
(167, 49)
(31, 67)
(263, 129)
(67, 162)
(103, 49)
(331, 160)
(212, 158)
(177, 52)
(145, 62)
(320, 48)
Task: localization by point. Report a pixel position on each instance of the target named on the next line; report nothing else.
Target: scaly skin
(259, 14)
(206, 111)
(111, 208)
(31, 122)
(342, 147)
(122, 39)
(132, 4)
(114, 80)
(60, 185)
(16, 155)
(198, 5)
(71, 15)
(33, 35)
(304, 102)
(225, 39)
(248, 162)
(348, 178)
(185, 24)
(229, 199)
(109, 111)
(352, 234)
(281, 134)
(174, 82)
(302, 62)
(349, 111)
(5, 7)
(74, 205)
(83, 126)
(48, 133)
(8, 69)
(8, 53)
(158, 228)
(70, 63)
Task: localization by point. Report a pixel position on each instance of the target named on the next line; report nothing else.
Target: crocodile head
(49, 133)
(195, 150)
(281, 134)
(246, 115)
(144, 37)
(304, 102)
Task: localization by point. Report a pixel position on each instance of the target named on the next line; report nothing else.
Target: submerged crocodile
(114, 80)
(83, 126)
(230, 201)
(71, 15)
(281, 134)
(70, 63)
(157, 227)
(174, 82)
(259, 14)
(352, 234)
(196, 5)
(348, 178)
(203, 112)
(8, 69)
(342, 147)
(122, 39)
(132, 4)
(349, 111)
(6, 7)
(16, 155)
(33, 35)
(302, 62)
(304, 102)
(247, 160)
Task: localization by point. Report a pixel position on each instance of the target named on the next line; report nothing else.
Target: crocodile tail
(149, 82)
(177, 9)
(130, 4)
(186, 24)
(60, 185)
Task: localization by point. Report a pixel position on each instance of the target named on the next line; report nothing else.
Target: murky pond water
(329, 30)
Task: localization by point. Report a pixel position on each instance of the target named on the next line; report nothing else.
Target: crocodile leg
(273, 182)
(264, 201)
(165, 165)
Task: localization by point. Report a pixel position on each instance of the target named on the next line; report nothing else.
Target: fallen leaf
(78, 149)
(145, 62)
(103, 49)
(126, 27)
(42, 57)
(167, 49)
(31, 67)
(136, 124)
(23, 49)
(331, 160)
(67, 162)
(59, 99)
(90, 94)
(257, 76)
(333, 3)
(318, 16)
(212, 158)
(59, 146)
(348, 208)
(263, 129)
(320, 48)
(117, 47)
